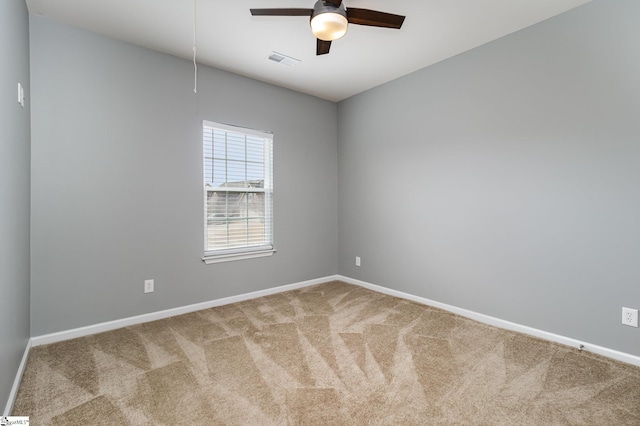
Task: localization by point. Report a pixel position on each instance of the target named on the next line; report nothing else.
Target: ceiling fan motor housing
(328, 21)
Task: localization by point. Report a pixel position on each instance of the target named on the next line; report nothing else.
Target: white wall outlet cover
(630, 317)
(148, 286)
(357, 260)
(20, 95)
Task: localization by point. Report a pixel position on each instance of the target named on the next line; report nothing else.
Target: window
(238, 193)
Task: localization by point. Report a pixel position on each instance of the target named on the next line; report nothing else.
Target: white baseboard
(17, 380)
(486, 319)
(139, 319)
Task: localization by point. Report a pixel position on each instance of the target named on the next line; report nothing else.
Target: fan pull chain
(195, 65)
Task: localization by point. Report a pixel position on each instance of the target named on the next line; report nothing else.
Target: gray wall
(117, 172)
(506, 180)
(14, 191)
(503, 180)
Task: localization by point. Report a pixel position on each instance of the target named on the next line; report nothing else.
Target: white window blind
(238, 191)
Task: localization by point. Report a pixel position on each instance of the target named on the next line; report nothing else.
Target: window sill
(230, 257)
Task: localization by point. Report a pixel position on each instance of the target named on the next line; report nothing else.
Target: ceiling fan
(330, 18)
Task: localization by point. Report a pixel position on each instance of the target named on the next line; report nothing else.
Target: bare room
(425, 212)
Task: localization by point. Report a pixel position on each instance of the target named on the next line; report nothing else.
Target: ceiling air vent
(283, 59)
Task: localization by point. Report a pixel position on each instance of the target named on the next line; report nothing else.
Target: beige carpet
(332, 354)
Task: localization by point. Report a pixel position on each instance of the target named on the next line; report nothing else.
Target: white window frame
(249, 251)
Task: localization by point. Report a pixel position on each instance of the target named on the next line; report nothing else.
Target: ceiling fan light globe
(329, 26)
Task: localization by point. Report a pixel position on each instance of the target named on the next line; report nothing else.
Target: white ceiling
(228, 37)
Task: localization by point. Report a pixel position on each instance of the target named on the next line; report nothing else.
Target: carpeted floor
(332, 354)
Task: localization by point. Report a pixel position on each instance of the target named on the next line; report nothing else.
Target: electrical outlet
(357, 260)
(20, 95)
(148, 286)
(630, 317)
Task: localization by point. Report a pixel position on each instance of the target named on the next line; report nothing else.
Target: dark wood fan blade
(336, 3)
(374, 18)
(323, 47)
(281, 12)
